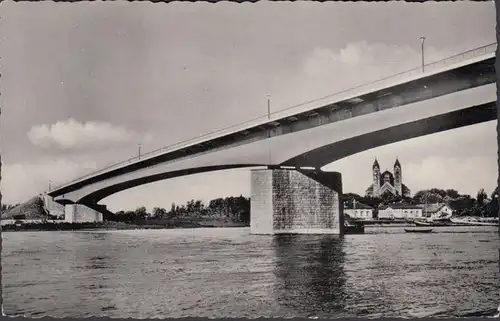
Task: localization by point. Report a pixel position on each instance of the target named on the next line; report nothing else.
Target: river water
(227, 272)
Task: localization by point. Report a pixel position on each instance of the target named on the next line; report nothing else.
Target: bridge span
(455, 92)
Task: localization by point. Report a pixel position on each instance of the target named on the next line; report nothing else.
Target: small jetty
(411, 230)
(475, 221)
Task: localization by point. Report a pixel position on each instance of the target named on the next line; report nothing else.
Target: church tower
(376, 178)
(398, 178)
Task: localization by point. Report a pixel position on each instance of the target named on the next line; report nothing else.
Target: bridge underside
(100, 194)
(315, 158)
(460, 118)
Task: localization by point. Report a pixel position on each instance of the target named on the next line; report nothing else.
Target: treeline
(462, 204)
(237, 209)
(234, 209)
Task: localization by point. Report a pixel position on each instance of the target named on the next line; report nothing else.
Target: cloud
(71, 134)
(20, 181)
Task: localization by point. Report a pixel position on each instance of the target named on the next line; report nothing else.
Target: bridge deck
(342, 100)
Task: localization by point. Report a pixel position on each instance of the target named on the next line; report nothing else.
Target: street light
(50, 186)
(139, 150)
(422, 40)
(268, 106)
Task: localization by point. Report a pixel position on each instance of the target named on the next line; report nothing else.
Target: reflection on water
(309, 273)
(230, 273)
(93, 254)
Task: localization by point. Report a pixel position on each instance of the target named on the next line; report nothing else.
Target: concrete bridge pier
(296, 201)
(80, 213)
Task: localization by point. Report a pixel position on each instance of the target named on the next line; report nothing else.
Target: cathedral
(387, 182)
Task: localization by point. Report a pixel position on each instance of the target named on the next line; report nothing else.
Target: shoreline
(110, 226)
(121, 226)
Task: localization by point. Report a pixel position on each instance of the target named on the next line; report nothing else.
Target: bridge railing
(344, 94)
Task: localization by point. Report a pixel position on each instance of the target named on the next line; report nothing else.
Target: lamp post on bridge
(422, 40)
(139, 150)
(50, 186)
(268, 106)
(268, 131)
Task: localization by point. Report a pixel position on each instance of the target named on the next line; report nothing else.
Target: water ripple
(229, 273)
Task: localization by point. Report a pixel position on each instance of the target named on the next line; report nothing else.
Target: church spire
(375, 164)
(397, 162)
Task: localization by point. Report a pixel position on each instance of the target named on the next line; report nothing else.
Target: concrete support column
(285, 201)
(79, 213)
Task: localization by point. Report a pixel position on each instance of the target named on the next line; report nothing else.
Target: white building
(358, 210)
(400, 211)
(436, 211)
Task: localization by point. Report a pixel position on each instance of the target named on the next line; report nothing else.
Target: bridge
(293, 144)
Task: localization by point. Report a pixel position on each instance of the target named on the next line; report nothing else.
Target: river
(226, 272)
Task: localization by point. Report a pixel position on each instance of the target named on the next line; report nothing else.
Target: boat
(407, 230)
(356, 228)
(420, 223)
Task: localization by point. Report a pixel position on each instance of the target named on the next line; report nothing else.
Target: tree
(481, 197)
(173, 210)
(388, 198)
(493, 207)
(190, 206)
(462, 205)
(159, 212)
(198, 206)
(351, 196)
(494, 194)
(438, 191)
(452, 193)
(141, 213)
(429, 196)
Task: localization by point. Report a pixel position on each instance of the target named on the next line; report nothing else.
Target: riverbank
(110, 225)
(454, 221)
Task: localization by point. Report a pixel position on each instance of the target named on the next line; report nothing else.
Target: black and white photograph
(268, 159)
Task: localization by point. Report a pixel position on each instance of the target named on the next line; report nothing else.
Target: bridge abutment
(285, 201)
(79, 213)
(52, 207)
(74, 213)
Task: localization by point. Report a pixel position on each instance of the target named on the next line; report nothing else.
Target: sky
(84, 83)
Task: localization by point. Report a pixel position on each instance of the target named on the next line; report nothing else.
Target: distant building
(436, 211)
(387, 182)
(400, 211)
(358, 210)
